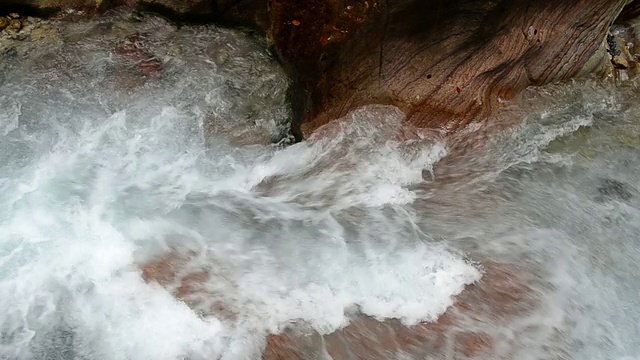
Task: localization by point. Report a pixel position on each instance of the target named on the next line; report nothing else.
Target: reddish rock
(134, 49)
(443, 64)
(472, 344)
(500, 297)
(281, 347)
(173, 272)
(150, 67)
(200, 10)
(164, 269)
(500, 294)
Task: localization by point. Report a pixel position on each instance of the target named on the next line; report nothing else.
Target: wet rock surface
(133, 48)
(444, 65)
(128, 52)
(500, 298)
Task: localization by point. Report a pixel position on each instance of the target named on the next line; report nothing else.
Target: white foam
(361, 163)
(78, 248)
(301, 235)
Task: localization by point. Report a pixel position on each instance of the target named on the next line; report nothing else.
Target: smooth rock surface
(444, 65)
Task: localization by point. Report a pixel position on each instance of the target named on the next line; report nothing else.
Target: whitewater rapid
(96, 181)
(100, 177)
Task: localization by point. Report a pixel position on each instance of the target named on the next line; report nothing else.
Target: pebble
(620, 62)
(15, 24)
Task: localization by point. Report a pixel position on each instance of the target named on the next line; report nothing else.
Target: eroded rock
(444, 64)
(499, 298)
(614, 189)
(133, 49)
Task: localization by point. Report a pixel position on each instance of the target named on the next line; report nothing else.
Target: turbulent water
(104, 169)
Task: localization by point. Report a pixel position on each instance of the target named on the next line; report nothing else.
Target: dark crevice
(300, 101)
(28, 10)
(205, 16)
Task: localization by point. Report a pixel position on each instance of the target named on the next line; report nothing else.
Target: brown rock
(15, 24)
(281, 347)
(133, 48)
(499, 298)
(4, 22)
(366, 338)
(150, 67)
(472, 344)
(500, 294)
(443, 64)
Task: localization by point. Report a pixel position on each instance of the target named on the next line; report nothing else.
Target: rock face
(443, 64)
(500, 297)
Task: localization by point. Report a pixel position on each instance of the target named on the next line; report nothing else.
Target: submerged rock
(500, 297)
(614, 189)
(133, 48)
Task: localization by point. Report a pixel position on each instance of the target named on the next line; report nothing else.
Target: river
(109, 163)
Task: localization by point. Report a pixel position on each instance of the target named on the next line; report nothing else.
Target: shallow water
(104, 169)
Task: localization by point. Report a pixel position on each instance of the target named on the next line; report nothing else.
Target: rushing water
(104, 169)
